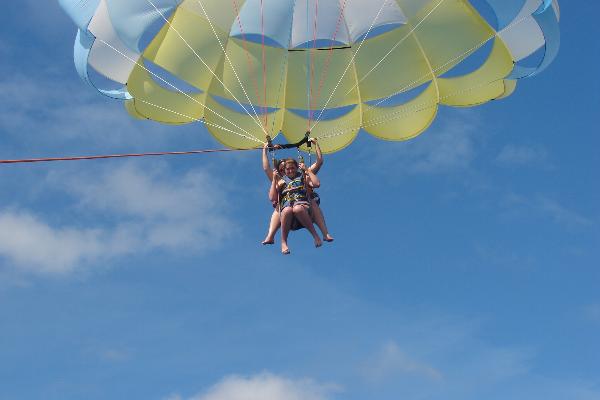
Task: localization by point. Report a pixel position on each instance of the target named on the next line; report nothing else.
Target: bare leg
(301, 213)
(273, 228)
(319, 219)
(287, 215)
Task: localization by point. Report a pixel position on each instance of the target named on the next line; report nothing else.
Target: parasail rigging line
(236, 8)
(264, 58)
(234, 70)
(415, 83)
(402, 113)
(311, 71)
(252, 138)
(171, 27)
(463, 56)
(348, 66)
(324, 72)
(282, 74)
(170, 84)
(414, 28)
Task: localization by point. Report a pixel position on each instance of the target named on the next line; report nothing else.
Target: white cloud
(47, 111)
(592, 312)
(513, 155)
(115, 355)
(548, 207)
(448, 147)
(131, 211)
(392, 361)
(175, 212)
(35, 246)
(264, 386)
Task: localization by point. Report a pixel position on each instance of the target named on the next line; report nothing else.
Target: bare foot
(285, 249)
(268, 241)
(328, 238)
(318, 242)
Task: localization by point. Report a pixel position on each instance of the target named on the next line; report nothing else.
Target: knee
(299, 209)
(286, 212)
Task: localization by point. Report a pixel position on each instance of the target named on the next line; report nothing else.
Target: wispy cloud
(115, 355)
(391, 361)
(448, 147)
(36, 246)
(592, 312)
(265, 386)
(128, 211)
(519, 155)
(51, 113)
(547, 207)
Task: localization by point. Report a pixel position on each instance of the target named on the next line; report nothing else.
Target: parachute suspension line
(394, 47)
(197, 120)
(170, 84)
(463, 56)
(248, 58)
(415, 83)
(349, 65)
(308, 60)
(171, 27)
(402, 113)
(325, 71)
(264, 59)
(312, 66)
(232, 68)
(283, 74)
(380, 61)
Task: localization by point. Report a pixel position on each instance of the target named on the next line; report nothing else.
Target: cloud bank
(265, 386)
(125, 211)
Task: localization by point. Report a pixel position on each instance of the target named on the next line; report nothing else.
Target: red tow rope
(100, 157)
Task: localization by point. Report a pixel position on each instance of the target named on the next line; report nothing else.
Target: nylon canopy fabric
(248, 68)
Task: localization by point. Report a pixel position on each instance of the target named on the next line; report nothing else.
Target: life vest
(294, 189)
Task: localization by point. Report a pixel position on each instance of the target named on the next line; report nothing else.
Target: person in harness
(291, 191)
(316, 212)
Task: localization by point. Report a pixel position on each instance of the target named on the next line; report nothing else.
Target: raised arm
(265, 162)
(274, 190)
(319, 162)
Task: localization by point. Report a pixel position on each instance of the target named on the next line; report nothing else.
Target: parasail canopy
(252, 68)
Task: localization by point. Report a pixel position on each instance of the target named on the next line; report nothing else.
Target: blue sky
(465, 264)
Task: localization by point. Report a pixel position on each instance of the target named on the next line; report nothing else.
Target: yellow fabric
(450, 32)
(404, 121)
(403, 69)
(247, 132)
(298, 78)
(194, 63)
(250, 74)
(510, 86)
(152, 101)
(483, 85)
(333, 135)
(439, 35)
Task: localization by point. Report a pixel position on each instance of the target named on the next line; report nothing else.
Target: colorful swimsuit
(294, 191)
